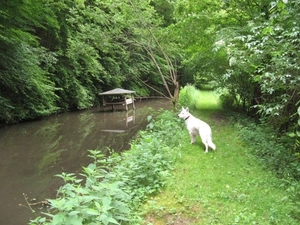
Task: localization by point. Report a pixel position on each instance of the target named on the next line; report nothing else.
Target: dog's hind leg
(204, 141)
(210, 143)
(206, 146)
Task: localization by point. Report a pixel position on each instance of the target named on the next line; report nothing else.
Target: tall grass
(195, 99)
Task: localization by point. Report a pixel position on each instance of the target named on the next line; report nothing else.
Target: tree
(196, 26)
(266, 52)
(159, 57)
(57, 55)
(26, 89)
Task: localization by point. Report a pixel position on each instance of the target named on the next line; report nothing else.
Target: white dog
(196, 126)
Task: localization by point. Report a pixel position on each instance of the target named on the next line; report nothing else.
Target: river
(32, 153)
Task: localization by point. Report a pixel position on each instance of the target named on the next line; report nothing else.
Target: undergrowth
(164, 180)
(111, 190)
(276, 154)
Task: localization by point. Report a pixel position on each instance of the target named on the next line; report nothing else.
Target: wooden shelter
(118, 96)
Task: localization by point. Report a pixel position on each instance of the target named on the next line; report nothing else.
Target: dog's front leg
(193, 137)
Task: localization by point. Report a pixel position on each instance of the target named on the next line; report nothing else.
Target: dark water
(32, 153)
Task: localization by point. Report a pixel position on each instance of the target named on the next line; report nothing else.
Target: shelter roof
(117, 91)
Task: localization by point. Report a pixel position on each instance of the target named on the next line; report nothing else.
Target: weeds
(273, 152)
(111, 190)
(180, 183)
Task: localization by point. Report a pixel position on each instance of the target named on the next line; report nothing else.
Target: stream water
(31, 153)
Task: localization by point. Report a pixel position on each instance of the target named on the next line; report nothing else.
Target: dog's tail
(212, 145)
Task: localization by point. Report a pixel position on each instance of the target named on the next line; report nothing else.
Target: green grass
(227, 186)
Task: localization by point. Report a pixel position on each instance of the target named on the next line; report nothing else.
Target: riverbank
(164, 180)
(228, 186)
(32, 153)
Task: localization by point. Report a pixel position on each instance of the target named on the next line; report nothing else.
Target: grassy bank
(228, 186)
(164, 180)
(112, 189)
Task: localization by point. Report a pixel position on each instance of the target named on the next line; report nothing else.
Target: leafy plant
(262, 57)
(275, 153)
(188, 96)
(111, 189)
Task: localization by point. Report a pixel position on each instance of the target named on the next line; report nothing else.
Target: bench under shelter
(118, 96)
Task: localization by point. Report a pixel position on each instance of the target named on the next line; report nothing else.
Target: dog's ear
(187, 109)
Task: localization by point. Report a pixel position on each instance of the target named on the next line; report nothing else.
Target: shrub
(189, 96)
(276, 153)
(227, 101)
(112, 189)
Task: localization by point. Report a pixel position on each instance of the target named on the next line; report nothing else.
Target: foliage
(57, 55)
(263, 58)
(249, 50)
(274, 152)
(198, 99)
(165, 10)
(189, 96)
(146, 166)
(26, 88)
(111, 189)
(118, 60)
(196, 26)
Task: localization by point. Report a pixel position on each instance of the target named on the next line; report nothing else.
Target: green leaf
(111, 220)
(106, 201)
(75, 220)
(106, 219)
(72, 213)
(89, 198)
(92, 212)
(58, 219)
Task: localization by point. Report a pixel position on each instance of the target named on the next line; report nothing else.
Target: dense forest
(57, 55)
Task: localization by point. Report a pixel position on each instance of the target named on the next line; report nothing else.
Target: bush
(276, 153)
(112, 189)
(227, 101)
(189, 96)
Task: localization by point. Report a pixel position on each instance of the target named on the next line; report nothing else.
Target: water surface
(32, 153)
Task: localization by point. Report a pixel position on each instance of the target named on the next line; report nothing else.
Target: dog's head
(184, 113)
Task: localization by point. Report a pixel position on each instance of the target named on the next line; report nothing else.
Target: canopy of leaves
(248, 49)
(57, 55)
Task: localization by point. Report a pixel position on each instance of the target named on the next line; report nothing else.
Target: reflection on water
(32, 153)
